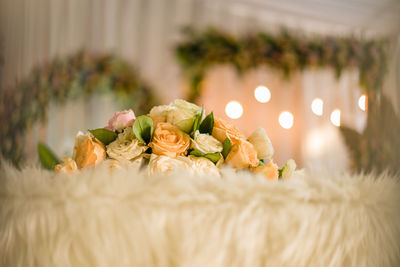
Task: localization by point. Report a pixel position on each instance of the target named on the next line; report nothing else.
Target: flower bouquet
(174, 137)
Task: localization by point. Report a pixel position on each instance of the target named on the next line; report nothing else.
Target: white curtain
(144, 33)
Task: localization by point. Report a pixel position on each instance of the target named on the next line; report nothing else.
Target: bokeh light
(362, 102)
(262, 94)
(317, 106)
(234, 110)
(335, 117)
(286, 119)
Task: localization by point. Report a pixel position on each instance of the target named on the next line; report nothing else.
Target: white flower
(261, 143)
(189, 165)
(161, 111)
(179, 113)
(126, 147)
(163, 165)
(288, 169)
(202, 166)
(206, 143)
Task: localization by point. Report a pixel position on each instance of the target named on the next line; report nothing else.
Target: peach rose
(223, 130)
(270, 171)
(68, 166)
(242, 155)
(88, 151)
(169, 141)
(156, 119)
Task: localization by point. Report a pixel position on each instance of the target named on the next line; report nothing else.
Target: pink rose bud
(121, 120)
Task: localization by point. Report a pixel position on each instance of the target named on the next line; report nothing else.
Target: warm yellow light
(262, 94)
(234, 110)
(362, 102)
(286, 119)
(335, 117)
(317, 106)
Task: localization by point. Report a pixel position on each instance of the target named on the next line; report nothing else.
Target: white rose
(161, 111)
(259, 139)
(288, 169)
(179, 113)
(126, 147)
(189, 165)
(163, 165)
(203, 166)
(206, 143)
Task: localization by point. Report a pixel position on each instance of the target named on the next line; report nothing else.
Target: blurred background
(302, 69)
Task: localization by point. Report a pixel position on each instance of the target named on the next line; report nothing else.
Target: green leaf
(207, 125)
(280, 172)
(103, 135)
(47, 157)
(226, 147)
(143, 128)
(197, 153)
(261, 162)
(197, 121)
(214, 157)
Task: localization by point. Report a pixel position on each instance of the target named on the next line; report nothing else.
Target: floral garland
(174, 137)
(62, 79)
(286, 52)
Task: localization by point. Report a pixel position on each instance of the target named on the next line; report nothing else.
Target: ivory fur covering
(122, 218)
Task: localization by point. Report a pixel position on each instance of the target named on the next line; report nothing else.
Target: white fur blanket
(121, 218)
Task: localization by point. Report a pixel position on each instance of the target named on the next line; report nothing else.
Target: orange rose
(88, 151)
(242, 155)
(156, 119)
(169, 141)
(223, 130)
(270, 171)
(68, 166)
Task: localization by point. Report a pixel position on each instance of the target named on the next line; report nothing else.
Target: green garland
(286, 52)
(78, 75)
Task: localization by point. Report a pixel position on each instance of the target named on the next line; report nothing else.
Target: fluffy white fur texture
(122, 218)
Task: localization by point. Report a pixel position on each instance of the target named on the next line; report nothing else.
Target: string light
(286, 120)
(317, 106)
(362, 102)
(262, 94)
(234, 110)
(335, 117)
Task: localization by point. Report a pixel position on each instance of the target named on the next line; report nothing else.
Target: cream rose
(206, 143)
(190, 165)
(259, 139)
(270, 170)
(201, 166)
(169, 141)
(126, 147)
(179, 113)
(163, 165)
(242, 155)
(223, 129)
(288, 169)
(68, 166)
(88, 151)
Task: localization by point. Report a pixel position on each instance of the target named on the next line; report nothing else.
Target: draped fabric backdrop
(144, 33)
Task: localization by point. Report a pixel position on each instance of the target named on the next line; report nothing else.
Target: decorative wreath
(286, 52)
(79, 75)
